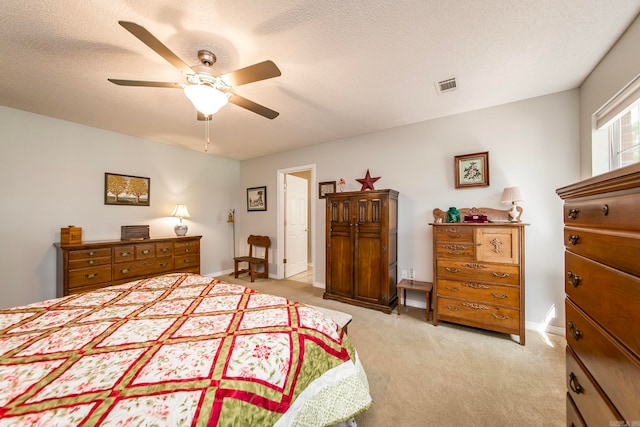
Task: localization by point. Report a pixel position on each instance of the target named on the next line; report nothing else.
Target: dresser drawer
(479, 291)
(145, 251)
(142, 268)
(187, 261)
(614, 368)
(574, 419)
(616, 249)
(89, 253)
(89, 276)
(455, 250)
(590, 401)
(476, 271)
(609, 296)
(124, 253)
(187, 247)
(482, 315)
(164, 249)
(88, 262)
(619, 212)
(452, 233)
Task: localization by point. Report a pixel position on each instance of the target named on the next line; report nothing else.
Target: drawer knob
(454, 252)
(456, 289)
(91, 253)
(124, 254)
(452, 270)
(91, 276)
(453, 308)
(573, 279)
(146, 252)
(573, 213)
(574, 384)
(164, 250)
(499, 274)
(573, 239)
(187, 261)
(124, 271)
(91, 262)
(574, 331)
(499, 296)
(605, 210)
(186, 251)
(164, 265)
(505, 317)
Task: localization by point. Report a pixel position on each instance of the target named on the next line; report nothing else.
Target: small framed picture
(326, 187)
(126, 190)
(256, 199)
(472, 170)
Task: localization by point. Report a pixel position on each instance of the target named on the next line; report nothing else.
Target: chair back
(259, 241)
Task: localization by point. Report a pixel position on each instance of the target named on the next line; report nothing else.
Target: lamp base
(513, 213)
(180, 229)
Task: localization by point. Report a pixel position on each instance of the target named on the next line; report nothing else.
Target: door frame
(280, 216)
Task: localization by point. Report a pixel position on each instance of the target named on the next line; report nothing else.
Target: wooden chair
(254, 261)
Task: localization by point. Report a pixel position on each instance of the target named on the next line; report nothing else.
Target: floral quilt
(179, 349)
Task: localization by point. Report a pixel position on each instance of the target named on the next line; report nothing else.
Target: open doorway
(295, 230)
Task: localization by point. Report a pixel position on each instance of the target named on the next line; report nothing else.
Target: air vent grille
(446, 85)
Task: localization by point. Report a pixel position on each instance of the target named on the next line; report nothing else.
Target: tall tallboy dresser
(602, 305)
(362, 248)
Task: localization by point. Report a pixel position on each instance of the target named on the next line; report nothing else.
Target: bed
(179, 349)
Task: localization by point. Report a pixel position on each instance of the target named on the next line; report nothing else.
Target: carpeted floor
(449, 375)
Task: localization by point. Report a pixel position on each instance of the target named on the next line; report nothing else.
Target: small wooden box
(134, 232)
(70, 235)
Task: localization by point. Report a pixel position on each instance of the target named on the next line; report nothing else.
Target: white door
(296, 227)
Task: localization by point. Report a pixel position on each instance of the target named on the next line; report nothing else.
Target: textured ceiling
(348, 67)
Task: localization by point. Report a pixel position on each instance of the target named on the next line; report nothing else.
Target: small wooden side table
(416, 285)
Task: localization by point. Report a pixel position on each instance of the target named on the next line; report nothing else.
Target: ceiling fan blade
(145, 84)
(252, 106)
(149, 39)
(252, 73)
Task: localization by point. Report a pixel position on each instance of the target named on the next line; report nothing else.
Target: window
(624, 145)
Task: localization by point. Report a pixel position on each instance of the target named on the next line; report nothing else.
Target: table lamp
(512, 195)
(181, 211)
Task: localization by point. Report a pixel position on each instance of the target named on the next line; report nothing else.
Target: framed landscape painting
(257, 199)
(126, 190)
(472, 170)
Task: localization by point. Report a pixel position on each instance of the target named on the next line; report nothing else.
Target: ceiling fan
(207, 91)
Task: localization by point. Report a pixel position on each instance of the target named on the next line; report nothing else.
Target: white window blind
(619, 103)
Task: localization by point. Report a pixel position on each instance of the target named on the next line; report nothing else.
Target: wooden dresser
(92, 265)
(362, 248)
(602, 287)
(478, 271)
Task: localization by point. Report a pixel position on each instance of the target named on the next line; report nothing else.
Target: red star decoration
(367, 181)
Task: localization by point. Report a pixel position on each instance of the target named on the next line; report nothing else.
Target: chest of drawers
(602, 304)
(93, 265)
(479, 275)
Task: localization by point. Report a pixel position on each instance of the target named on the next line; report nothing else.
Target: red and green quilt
(180, 349)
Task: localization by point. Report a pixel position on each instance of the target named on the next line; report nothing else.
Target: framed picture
(472, 170)
(326, 187)
(257, 199)
(126, 190)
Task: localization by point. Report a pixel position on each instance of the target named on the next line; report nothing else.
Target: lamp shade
(181, 211)
(511, 195)
(208, 100)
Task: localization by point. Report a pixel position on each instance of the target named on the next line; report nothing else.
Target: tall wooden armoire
(362, 248)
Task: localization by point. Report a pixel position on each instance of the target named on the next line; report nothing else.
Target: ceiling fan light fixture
(208, 100)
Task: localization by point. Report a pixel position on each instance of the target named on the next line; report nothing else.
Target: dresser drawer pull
(91, 262)
(505, 317)
(501, 275)
(124, 271)
(499, 296)
(186, 251)
(164, 265)
(146, 252)
(453, 308)
(125, 254)
(574, 279)
(187, 243)
(605, 210)
(573, 239)
(454, 252)
(574, 384)
(573, 213)
(475, 285)
(456, 289)
(164, 250)
(186, 261)
(452, 270)
(91, 276)
(574, 331)
(91, 253)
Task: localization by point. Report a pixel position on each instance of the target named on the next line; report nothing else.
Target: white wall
(52, 176)
(617, 68)
(532, 143)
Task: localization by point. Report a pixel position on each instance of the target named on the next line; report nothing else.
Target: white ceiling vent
(446, 85)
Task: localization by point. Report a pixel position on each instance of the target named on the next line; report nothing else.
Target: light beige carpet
(449, 375)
